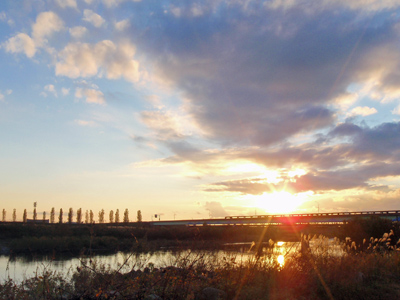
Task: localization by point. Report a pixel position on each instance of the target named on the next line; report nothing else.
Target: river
(23, 267)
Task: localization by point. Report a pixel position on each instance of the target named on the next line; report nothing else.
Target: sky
(198, 109)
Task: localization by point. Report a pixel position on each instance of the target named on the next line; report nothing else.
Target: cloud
(111, 3)
(215, 209)
(90, 95)
(254, 85)
(47, 23)
(252, 186)
(315, 7)
(78, 32)
(122, 25)
(64, 91)
(93, 18)
(272, 86)
(21, 43)
(87, 60)
(50, 88)
(363, 111)
(67, 3)
(2, 96)
(86, 123)
(165, 126)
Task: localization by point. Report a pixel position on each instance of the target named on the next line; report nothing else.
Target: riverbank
(23, 238)
(313, 274)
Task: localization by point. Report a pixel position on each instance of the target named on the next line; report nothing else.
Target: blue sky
(201, 108)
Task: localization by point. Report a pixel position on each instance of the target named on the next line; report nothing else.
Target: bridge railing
(385, 212)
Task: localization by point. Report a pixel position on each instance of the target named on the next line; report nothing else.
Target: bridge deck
(287, 219)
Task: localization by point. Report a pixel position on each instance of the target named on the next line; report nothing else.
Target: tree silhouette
(60, 217)
(111, 216)
(4, 215)
(14, 215)
(52, 215)
(117, 216)
(87, 217)
(34, 214)
(91, 217)
(25, 216)
(126, 216)
(139, 216)
(79, 216)
(44, 216)
(101, 216)
(70, 215)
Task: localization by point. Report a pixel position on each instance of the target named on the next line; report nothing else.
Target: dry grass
(314, 273)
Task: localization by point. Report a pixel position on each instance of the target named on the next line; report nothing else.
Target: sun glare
(280, 202)
(281, 260)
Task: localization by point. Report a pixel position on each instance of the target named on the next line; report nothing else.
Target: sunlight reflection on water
(21, 267)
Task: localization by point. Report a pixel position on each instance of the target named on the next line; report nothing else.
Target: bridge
(334, 218)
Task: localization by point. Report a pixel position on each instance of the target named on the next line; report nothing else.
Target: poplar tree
(25, 216)
(34, 214)
(87, 217)
(4, 215)
(126, 216)
(91, 217)
(111, 216)
(52, 215)
(101, 216)
(44, 216)
(79, 216)
(139, 216)
(117, 216)
(60, 217)
(70, 215)
(14, 215)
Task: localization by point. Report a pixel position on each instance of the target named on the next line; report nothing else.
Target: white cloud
(93, 18)
(64, 91)
(46, 24)
(90, 95)
(196, 10)
(365, 5)
(67, 3)
(121, 25)
(51, 89)
(344, 101)
(86, 60)
(2, 97)
(78, 31)
(21, 43)
(86, 123)
(3, 16)
(363, 111)
(110, 3)
(176, 11)
(396, 111)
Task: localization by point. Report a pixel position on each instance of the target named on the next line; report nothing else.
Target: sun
(280, 202)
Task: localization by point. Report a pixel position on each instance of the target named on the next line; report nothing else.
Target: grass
(317, 272)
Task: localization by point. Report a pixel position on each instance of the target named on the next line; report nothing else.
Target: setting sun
(280, 202)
